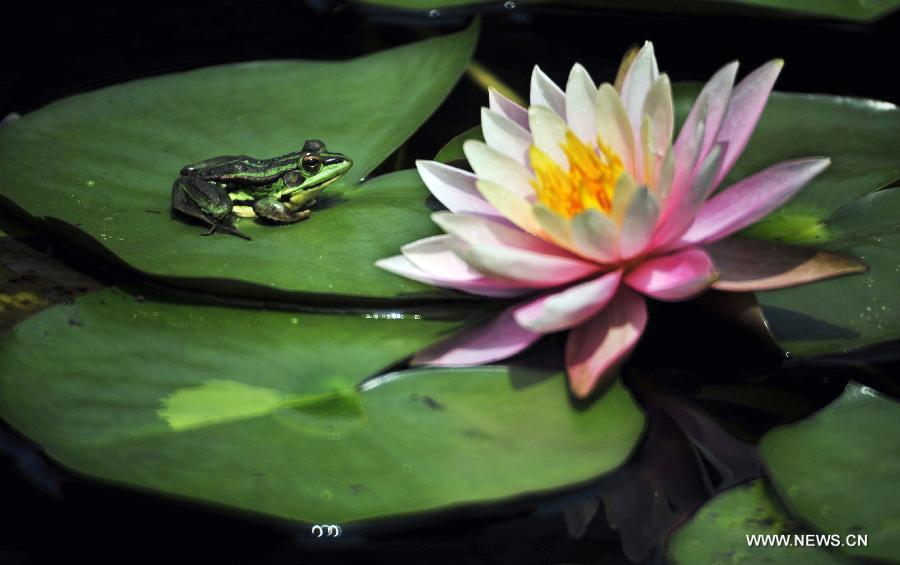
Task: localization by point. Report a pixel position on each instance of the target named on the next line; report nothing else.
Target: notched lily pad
(261, 410)
(118, 150)
(838, 469)
(719, 532)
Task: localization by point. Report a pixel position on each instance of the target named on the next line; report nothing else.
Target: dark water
(691, 377)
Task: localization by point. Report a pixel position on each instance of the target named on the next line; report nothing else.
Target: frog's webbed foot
(206, 202)
(226, 226)
(276, 211)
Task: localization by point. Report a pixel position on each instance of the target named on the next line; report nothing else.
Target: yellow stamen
(589, 183)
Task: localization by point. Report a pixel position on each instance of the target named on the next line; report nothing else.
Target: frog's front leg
(275, 210)
(205, 201)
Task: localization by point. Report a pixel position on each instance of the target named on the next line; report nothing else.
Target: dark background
(51, 52)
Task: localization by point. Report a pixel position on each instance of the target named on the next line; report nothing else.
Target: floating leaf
(719, 531)
(118, 150)
(453, 150)
(838, 469)
(861, 10)
(838, 315)
(261, 411)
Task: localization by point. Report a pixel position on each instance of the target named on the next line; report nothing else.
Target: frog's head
(316, 169)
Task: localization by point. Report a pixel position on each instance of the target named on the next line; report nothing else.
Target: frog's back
(213, 166)
(242, 170)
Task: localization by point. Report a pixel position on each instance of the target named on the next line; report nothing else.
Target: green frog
(220, 190)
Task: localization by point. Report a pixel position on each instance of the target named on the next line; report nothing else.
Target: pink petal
(744, 109)
(505, 136)
(435, 256)
(673, 277)
(506, 107)
(640, 77)
(599, 345)
(476, 229)
(681, 208)
(747, 265)
(537, 270)
(709, 108)
(638, 224)
(751, 199)
(569, 307)
(545, 92)
(498, 339)
(454, 188)
(482, 286)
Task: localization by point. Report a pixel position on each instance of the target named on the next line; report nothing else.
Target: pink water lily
(581, 206)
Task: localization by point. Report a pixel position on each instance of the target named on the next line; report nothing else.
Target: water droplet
(295, 321)
(510, 5)
(90, 183)
(406, 467)
(788, 355)
(327, 495)
(434, 13)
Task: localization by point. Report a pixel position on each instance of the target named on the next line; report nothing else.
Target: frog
(280, 190)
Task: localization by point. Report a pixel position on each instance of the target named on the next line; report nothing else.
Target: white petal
(489, 164)
(622, 195)
(554, 226)
(641, 76)
(595, 235)
(544, 92)
(581, 105)
(549, 132)
(476, 229)
(613, 127)
(435, 256)
(526, 267)
(505, 136)
(455, 188)
(660, 115)
(506, 107)
(513, 206)
(638, 223)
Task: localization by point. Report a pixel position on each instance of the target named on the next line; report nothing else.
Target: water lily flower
(581, 206)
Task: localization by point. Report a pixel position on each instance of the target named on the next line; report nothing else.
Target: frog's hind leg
(206, 202)
(276, 211)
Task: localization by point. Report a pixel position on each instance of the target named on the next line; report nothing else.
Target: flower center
(590, 181)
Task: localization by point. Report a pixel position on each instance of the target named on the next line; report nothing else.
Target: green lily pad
(718, 533)
(834, 211)
(117, 150)
(453, 149)
(261, 410)
(859, 10)
(843, 209)
(850, 312)
(862, 10)
(838, 470)
(860, 137)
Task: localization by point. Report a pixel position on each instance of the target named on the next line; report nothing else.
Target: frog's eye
(292, 179)
(311, 164)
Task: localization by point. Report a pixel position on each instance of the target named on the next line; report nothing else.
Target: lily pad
(117, 151)
(261, 410)
(860, 136)
(859, 10)
(838, 470)
(851, 312)
(453, 149)
(718, 533)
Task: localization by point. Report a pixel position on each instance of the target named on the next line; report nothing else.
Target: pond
(221, 397)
